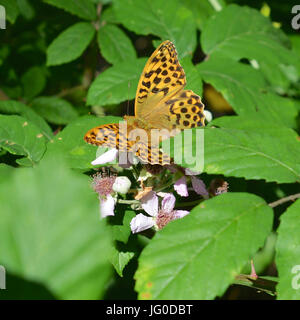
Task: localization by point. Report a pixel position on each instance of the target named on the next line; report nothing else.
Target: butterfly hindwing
(186, 110)
(109, 136)
(106, 135)
(152, 155)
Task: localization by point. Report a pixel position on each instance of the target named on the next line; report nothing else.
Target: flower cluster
(153, 192)
(108, 188)
(159, 215)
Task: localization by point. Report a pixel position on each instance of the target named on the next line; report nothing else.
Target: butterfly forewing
(161, 78)
(161, 98)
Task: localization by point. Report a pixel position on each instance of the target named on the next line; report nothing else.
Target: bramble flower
(103, 185)
(107, 206)
(159, 217)
(198, 185)
(180, 187)
(107, 188)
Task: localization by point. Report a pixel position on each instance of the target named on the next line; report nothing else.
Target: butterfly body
(135, 122)
(161, 103)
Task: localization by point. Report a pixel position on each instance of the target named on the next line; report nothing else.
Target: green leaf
(77, 153)
(120, 259)
(242, 32)
(276, 76)
(238, 83)
(70, 44)
(294, 38)
(244, 88)
(116, 84)
(54, 110)
(21, 137)
(34, 81)
(108, 15)
(5, 171)
(172, 21)
(26, 9)
(203, 9)
(121, 229)
(245, 148)
(11, 9)
(276, 110)
(115, 46)
(287, 254)
(193, 77)
(264, 257)
(50, 234)
(25, 162)
(84, 9)
(199, 256)
(15, 107)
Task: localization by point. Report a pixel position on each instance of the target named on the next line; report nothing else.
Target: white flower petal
(107, 206)
(121, 185)
(177, 214)
(162, 194)
(140, 222)
(168, 203)
(108, 156)
(208, 115)
(150, 203)
(181, 188)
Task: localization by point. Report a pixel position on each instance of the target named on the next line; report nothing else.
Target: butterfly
(161, 103)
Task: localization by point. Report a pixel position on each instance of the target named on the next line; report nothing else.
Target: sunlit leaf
(198, 257)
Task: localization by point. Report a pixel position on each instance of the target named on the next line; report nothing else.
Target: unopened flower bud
(208, 115)
(121, 185)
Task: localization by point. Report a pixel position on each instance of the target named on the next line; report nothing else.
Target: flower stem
(128, 201)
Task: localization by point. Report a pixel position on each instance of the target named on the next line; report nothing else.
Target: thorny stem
(253, 274)
(99, 9)
(285, 199)
(66, 92)
(96, 23)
